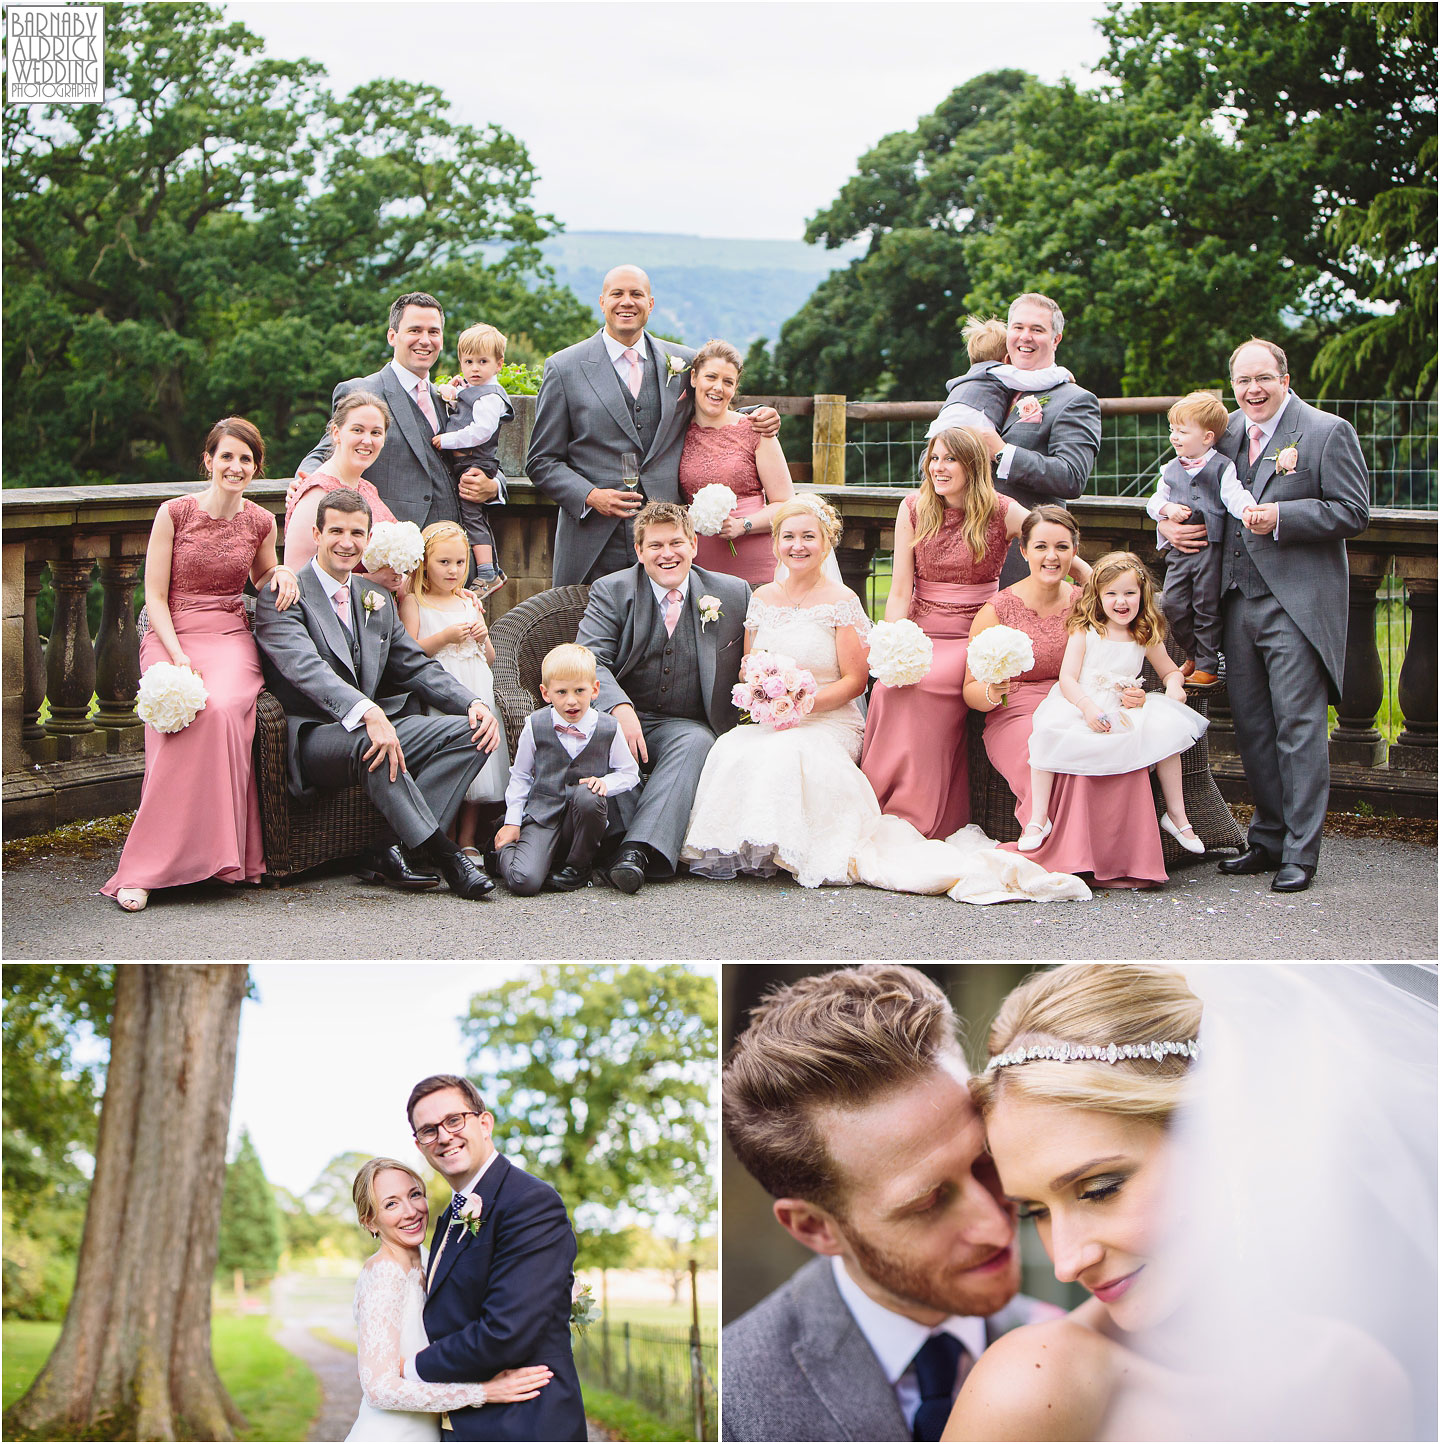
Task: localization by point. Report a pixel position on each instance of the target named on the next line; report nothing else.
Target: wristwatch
(746, 525)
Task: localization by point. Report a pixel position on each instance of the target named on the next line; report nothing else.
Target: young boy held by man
(984, 394)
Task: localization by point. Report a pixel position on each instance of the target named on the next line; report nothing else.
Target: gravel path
(1373, 898)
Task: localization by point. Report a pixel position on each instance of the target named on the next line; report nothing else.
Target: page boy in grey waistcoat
(987, 390)
(469, 436)
(1199, 485)
(570, 759)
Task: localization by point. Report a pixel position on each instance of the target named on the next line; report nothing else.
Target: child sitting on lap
(474, 415)
(570, 759)
(982, 396)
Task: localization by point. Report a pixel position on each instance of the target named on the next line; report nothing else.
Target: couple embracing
(1236, 1164)
(472, 1339)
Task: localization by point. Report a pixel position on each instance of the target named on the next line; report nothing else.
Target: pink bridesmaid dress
(726, 455)
(915, 736)
(199, 813)
(1101, 825)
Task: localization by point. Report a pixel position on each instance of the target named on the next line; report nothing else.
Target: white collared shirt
(617, 356)
(1267, 430)
(895, 1339)
(356, 715)
(624, 771)
(661, 591)
(409, 380)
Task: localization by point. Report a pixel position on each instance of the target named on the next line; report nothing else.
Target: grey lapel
(371, 625)
(704, 641)
(1285, 435)
(406, 416)
(331, 626)
(838, 1363)
(669, 394)
(595, 365)
(641, 619)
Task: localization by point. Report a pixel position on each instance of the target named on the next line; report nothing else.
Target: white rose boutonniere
(372, 602)
(469, 1215)
(674, 366)
(709, 610)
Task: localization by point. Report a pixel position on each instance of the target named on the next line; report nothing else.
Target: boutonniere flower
(1285, 461)
(1029, 407)
(675, 366)
(583, 1309)
(709, 610)
(372, 602)
(469, 1215)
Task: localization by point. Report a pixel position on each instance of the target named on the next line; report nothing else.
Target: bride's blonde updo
(364, 1190)
(1095, 1005)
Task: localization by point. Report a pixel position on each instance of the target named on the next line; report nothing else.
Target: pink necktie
(633, 357)
(341, 598)
(1257, 444)
(672, 610)
(564, 729)
(427, 407)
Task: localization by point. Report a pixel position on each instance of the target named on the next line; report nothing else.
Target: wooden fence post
(827, 441)
(697, 1365)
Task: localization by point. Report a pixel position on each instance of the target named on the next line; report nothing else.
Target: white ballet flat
(1029, 841)
(1191, 843)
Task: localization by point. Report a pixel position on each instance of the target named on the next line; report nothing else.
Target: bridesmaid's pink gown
(915, 736)
(1101, 825)
(199, 813)
(726, 455)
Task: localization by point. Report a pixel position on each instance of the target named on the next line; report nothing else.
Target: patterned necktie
(633, 357)
(341, 598)
(456, 1204)
(427, 407)
(672, 610)
(1257, 443)
(936, 1366)
(564, 729)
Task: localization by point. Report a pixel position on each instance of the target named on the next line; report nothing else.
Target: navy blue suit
(501, 1300)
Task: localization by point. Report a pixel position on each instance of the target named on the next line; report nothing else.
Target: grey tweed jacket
(798, 1367)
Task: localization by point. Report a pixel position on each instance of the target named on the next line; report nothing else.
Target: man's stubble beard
(918, 1285)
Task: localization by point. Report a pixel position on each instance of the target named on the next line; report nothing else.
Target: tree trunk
(133, 1359)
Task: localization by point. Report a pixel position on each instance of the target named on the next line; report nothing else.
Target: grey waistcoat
(556, 770)
(1239, 570)
(666, 679)
(645, 407)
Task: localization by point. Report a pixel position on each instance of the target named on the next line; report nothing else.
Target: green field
(662, 1316)
(278, 1395)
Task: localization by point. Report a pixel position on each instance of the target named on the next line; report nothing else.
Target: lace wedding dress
(797, 800)
(389, 1325)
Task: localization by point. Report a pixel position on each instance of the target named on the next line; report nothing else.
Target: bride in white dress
(389, 1323)
(795, 799)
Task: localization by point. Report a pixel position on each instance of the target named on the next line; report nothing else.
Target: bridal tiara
(1080, 1052)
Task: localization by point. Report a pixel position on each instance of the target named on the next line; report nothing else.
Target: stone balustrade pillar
(1356, 739)
(70, 657)
(117, 650)
(33, 652)
(1414, 750)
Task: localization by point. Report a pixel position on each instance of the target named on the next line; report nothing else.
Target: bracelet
(993, 703)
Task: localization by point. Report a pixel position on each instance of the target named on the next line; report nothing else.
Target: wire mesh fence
(1398, 439)
(658, 1368)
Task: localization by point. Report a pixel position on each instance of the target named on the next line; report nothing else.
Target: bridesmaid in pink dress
(721, 446)
(1104, 826)
(950, 544)
(199, 814)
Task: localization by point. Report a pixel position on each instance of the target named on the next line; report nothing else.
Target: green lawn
(278, 1395)
(665, 1316)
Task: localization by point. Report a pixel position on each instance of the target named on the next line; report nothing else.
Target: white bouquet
(900, 653)
(170, 697)
(711, 506)
(396, 544)
(998, 654)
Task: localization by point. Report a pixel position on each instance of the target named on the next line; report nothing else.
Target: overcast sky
(329, 1052)
(739, 119)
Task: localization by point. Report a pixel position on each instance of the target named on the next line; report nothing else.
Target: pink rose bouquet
(774, 691)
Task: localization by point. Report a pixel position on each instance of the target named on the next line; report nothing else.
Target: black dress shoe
(1253, 859)
(463, 875)
(568, 879)
(1292, 877)
(627, 872)
(390, 866)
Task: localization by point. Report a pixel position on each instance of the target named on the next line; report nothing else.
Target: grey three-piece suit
(1285, 604)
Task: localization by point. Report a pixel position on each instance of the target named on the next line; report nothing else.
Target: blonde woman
(389, 1311)
(951, 539)
(1253, 1218)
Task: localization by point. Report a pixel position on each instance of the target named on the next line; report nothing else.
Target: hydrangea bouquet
(396, 544)
(998, 654)
(900, 653)
(774, 690)
(711, 506)
(170, 697)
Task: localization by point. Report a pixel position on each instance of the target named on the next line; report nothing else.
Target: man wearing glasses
(1285, 585)
(500, 1272)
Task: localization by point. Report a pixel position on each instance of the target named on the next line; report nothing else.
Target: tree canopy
(1242, 168)
(224, 235)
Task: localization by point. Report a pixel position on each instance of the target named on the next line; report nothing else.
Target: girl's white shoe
(1029, 840)
(1190, 843)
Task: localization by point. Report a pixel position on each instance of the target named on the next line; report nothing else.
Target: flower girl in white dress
(389, 1317)
(1097, 720)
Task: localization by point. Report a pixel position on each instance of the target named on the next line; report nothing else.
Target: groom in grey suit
(1285, 585)
(846, 1099)
(351, 681)
(622, 390)
(667, 639)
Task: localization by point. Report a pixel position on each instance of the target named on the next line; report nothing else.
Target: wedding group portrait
(360, 1201)
(377, 543)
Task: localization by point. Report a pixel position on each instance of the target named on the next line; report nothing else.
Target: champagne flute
(629, 471)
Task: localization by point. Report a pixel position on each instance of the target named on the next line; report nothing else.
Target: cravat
(633, 357)
(341, 598)
(1257, 443)
(935, 1366)
(427, 407)
(564, 729)
(672, 615)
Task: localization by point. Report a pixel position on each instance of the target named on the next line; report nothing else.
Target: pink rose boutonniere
(470, 1214)
(1287, 460)
(1029, 408)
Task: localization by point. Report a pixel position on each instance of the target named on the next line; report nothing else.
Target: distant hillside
(703, 287)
